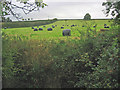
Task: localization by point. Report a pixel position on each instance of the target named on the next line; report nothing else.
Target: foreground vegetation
(89, 60)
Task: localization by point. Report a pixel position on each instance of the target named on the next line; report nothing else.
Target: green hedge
(26, 23)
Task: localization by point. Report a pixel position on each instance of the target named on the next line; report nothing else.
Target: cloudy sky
(69, 9)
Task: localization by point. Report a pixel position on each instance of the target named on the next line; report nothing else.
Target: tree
(28, 19)
(113, 8)
(6, 19)
(9, 20)
(8, 7)
(55, 19)
(87, 17)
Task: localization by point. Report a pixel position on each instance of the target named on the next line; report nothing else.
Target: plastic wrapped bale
(43, 26)
(53, 26)
(49, 29)
(40, 29)
(83, 26)
(32, 27)
(35, 29)
(66, 32)
(72, 25)
(62, 27)
(56, 25)
(5, 27)
(105, 25)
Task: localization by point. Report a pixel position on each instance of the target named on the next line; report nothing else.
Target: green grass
(57, 31)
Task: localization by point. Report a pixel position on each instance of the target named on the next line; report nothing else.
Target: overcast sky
(69, 9)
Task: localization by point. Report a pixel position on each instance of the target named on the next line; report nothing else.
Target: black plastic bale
(53, 26)
(62, 27)
(32, 27)
(5, 27)
(35, 29)
(72, 25)
(106, 26)
(40, 29)
(66, 32)
(49, 29)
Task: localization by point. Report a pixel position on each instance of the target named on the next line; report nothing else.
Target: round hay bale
(66, 32)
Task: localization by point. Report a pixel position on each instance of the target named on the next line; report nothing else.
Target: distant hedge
(26, 23)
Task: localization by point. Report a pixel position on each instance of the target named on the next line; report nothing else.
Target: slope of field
(28, 32)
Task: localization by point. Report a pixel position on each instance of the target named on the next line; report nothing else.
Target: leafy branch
(8, 8)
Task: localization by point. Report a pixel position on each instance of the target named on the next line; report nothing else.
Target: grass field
(47, 59)
(28, 32)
